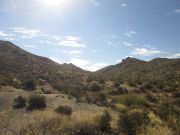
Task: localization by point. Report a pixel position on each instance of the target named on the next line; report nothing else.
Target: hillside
(161, 73)
(42, 96)
(18, 65)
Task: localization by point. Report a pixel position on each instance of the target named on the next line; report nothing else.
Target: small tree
(105, 122)
(36, 102)
(29, 85)
(19, 102)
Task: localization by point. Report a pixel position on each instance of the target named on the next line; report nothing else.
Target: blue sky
(93, 33)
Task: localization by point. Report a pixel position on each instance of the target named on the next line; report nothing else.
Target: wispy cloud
(56, 37)
(6, 36)
(145, 51)
(73, 52)
(27, 33)
(3, 34)
(109, 43)
(149, 46)
(71, 41)
(176, 55)
(123, 5)
(177, 11)
(112, 44)
(112, 36)
(127, 44)
(130, 33)
(96, 66)
(118, 60)
(94, 2)
(95, 50)
(57, 60)
(9, 38)
(30, 46)
(79, 62)
(87, 64)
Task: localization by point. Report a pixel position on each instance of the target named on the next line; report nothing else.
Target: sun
(55, 4)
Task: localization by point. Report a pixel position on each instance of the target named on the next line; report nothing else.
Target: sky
(93, 34)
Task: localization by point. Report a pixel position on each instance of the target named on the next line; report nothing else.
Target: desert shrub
(159, 85)
(58, 86)
(29, 84)
(16, 84)
(99, 99)
(36, 102)
(132, 121)
(105, 122)
(47, 92)
(82, 129)
(151, 98)
(87, 129)
(132, 83)
(177, 101)
(101, 81)
(116, 84)
(66, 110)
(19, 102)
(113, 93)
(176, 127)
(148, 86)
(166, 110)
(76, 91)
(122, 90)
(102, 98)
(95, 87)
(176, 95)
(132, 99)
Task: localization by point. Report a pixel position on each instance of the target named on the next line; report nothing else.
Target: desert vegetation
(40, 97)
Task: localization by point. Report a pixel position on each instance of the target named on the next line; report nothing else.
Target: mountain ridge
(19, 64)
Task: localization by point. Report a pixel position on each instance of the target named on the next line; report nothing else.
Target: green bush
(19, 102)
(105, 122)
(29, 85)
(133, 121)
(66, 110)
(36, 102)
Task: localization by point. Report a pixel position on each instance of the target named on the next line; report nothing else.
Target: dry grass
(157, 130)
(65, 122)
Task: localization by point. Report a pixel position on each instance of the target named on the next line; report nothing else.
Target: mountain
(127, 63)
(18, 64)
(159, 72)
